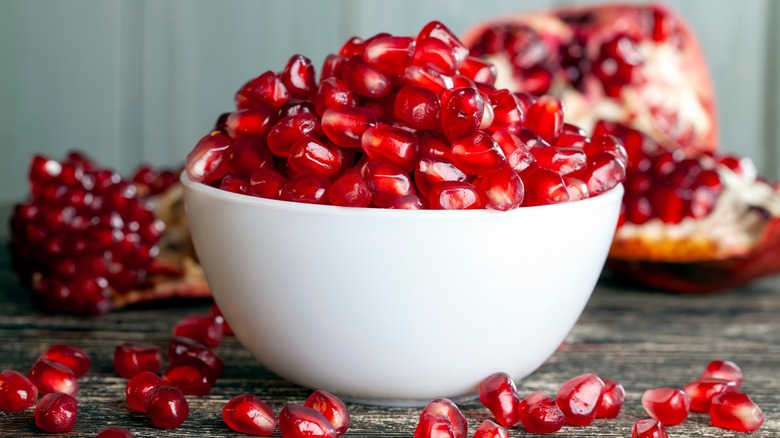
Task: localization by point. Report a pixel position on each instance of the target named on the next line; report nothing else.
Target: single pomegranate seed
(478, 154)
(489, 429)
(49, 376)
(543, 187)
(74, 358)
(499, 394)
(248, 414)
(267, 183)
(735, 411)
(478, 70)
(604, 172)
(167, 407)
(517, 154)
(207, 329)
(298, 76)
(350, 190)
(353, 47)
(724, 369)
(181, 347)
(454, 195)
(331, 407)
(427, 78)
(502, 189)
(209, 160)
(670, 406)
(266, 88)
(234, 184)
(562, 160)
(545, 118)
(386, 182)
(333, 93)
(437, 415)
(287, 131)
(331, 67)
(131, 358)
(364, 79)
(539, 413)
(252, 122)
(434, 426)
(576, 187)
(300, 421)
(436, 55)
(648, 428)
(214, 311)
(611, 399)
(429, 171)
(311, 156)
(191, 374)
(309, 189)
(138, 387)
(345, 126)
(391, 145)
(248, 156)
(407, 202)
(114, 432)
(507, 111)
(17, 392)
(56, 413)
(702, 391)
(608, 144)
(391, 54)
(418, 106)
(293, 107)
(462, 113)
(436, 29)
(579, 399)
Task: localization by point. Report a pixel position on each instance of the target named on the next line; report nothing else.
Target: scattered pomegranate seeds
(331, 407)
(207, 329)
(499, 394)
(74, 358)
(167, 407)
(56, 413)
(670, 406)
(138, 387)
(703, 390)
(579, 399)
(540, 413)
(131, 358)
(611, 399)
(648, 428)
(301, 422)
(248, 414)
(490, 429)
(50, 376)
(191, 374)
(436, 415)
(735, 411)
(17, 392)
(114, 432)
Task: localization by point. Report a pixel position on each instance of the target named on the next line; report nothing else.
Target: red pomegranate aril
(540, 414)
(429, 171)
(392, 145)
(302, 422)
(462, 113)
(267, 183)
(294, 107)
(333, 93)
(138, 387)
(252, 122)
(427, 78)
(724, 369)
(248, 156)
(436, 29)
(132, 358)
(17, 392)
(543, 187)
(74, 358)
(611, 399)
(478, 70)
(114, 432)
(350, 190)
(266, 88)
(364, 79)
(430, 423)
(307, 189)
(248, 414)
(490, 429)
(56, 413)
(345, 126)
(579, 399)
(215, 311)
(478, 154)
(502, 190)
(354, 46)
(332, 66)
(669, 204)
(670, 406)
(407, 202)
(331, 407)
(418, 106)
(49, 376)
(576, 187)
(181, 347)
(499, 394)
(386, 182)
(562, 160)
(287, 131)
(454, 195)
(507, 112)
(166, 407)
(517, 154)
(207, 329)
(435, 54)
(545, 118)
(616, 63)
(311, 156)
(391, 54)
(298, 76)
(702, 391)
(648, 428)
(209, 160)
(735, 411)
(604, 171)
(234, 184)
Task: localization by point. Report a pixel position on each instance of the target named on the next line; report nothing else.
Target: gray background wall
(133, 81)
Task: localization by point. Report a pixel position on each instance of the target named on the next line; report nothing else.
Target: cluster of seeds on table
(402, 122)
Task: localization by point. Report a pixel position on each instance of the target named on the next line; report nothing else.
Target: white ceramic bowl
(398, 307)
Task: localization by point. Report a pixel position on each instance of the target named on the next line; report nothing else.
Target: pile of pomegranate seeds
(402, 122)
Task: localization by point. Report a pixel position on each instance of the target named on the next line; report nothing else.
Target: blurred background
(132, 81)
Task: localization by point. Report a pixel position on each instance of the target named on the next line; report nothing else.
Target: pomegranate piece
(191, 374)
(670, 406)
(441, 418)
(114, 432)
(74, 358)
(648, 428)
(166, 407)
(611, 399)
(540, 413)
(331, 407)
(207, 329)
(248, 414)
(138, 387)
(703, 390)
(17, 392)
(724, 369)
(300, 421)
(49, 376)
(490, 429)
(131, 358)
(56, 413)
(499, 394)
(298, 76)
(391, 145)
(579, 399)
(462, 113)
(735, 411)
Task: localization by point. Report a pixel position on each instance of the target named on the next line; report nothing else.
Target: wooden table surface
(640, 338)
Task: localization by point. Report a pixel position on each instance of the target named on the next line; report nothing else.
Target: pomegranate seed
(17, 392)
(267, 183)
(191, 374)
(543, 187)
(436, 29)
(138, 387)
(531, 140)
(345, 126)
(462, 113)
(418, 106)
(181, 347)
(391, 145)
(386, 182)
(309, 189)
(702, 391)
(391, 54)
(210, 159)
(611, 399)
(499, 394)
(449, 411)
(502, 189)
(429, 171)
(433, 146)
(670, 406)
(648, 428)
(114, 432)
(724, 369)
(562, 160)
(608, 144)
(56, 413)
(311, 156)
(507, 112)
(604, 172)
(478, 70)
(298, 76)
(294, 107)
(427, 78)
(735, 411)
(540, 414)
(579, 398)
(248, 156)
(300, 421)
(353, 47)
(131, 358)
(576, 187)
(350, 190)
(248, 414)
(74, 358)
(489, 429)
(545, 118)
(407, 202)
(266, 88)
(207, 329)
(234, 184)
(49, 376)
(287, 131)
(214, 311)
(616, 62)
(333, 93)
(364, 79)
(454, 195)
(436, 55)
(434, 426)
(478, 154)
(331, 407)
(252, 122)
(517, 154)
(167, 407)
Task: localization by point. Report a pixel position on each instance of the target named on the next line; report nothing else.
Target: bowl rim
(238, 198)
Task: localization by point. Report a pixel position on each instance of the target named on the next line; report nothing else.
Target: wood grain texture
(641, 338)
